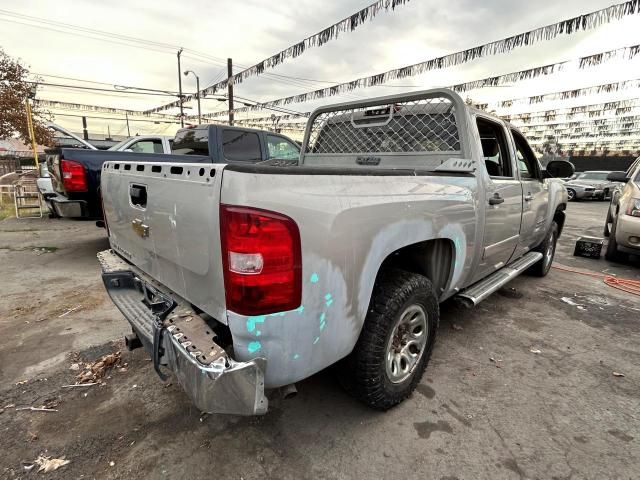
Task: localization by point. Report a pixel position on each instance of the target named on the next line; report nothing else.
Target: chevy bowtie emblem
(140, 228)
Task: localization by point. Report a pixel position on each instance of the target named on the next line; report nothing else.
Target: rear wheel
(548, 250)
(396, 340)
(571, 194)
(606, 231)
(612, 254)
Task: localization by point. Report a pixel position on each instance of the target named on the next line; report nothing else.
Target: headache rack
(418, 128)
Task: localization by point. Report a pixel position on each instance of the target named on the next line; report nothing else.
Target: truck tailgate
(163, 218)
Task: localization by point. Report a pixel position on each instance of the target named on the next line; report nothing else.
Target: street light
(198, 92)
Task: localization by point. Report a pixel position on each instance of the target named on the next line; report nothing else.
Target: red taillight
(261, 259)
(73, 176)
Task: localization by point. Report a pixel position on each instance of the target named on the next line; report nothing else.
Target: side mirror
(618, 177)
(559, 169)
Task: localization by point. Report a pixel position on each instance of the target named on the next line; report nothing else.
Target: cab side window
(527, 161)
(281, 148)
(147, 146)
(494, 148)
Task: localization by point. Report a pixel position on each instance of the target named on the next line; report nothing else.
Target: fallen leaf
(535, 350)
(618, 374)
(48, 464)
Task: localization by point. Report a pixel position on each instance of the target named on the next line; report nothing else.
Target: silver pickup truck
(240, 278)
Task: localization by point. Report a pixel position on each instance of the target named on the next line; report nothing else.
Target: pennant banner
(569, 26)
(571, 112)
(95, 108)
(584, 62)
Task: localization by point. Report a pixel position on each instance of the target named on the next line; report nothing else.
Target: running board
(477, 292)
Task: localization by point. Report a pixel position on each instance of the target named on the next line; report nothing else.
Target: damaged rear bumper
(212, 379)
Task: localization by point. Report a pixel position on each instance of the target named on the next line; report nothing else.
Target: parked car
(45, 187)
(76, 173)
(240, 277)
(580, 187)
(623, 217)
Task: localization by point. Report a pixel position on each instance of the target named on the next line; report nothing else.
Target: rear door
(503, 207)
(535, 195)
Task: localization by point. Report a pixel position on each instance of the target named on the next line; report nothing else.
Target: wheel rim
(571, 194)
(407, 343)
(549, 251)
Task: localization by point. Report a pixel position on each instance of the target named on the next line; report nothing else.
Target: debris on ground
(111, 464)
(496, 361)
(94, 372)
(74, 366)
(32, 436)
(21, 382)
(36, 409)
(618, 374)
(535, 350)
(48, 464)
(456, 327)
(69, 310)
(80, 385)
(569, 301)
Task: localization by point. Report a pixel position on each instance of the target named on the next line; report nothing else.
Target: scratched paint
(251, 322)
(316, 340)
(253, 347)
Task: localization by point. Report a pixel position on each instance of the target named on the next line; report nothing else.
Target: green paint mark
(322, 325)
(253, 347)
(314, 278)
(316, 340)
(296, 356)
(300, 309)
(258, 333)
(251, 322)
(279, 314)
(328, 299)
(322, 317)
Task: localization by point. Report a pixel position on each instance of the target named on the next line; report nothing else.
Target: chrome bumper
(69, 208)
(214, 381)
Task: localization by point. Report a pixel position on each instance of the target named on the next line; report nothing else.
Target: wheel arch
(435, 259)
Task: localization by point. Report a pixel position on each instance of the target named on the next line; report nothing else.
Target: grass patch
(7, 210)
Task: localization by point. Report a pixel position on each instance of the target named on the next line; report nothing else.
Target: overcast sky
(251, 30)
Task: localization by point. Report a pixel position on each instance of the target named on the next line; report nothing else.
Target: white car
(623, 218)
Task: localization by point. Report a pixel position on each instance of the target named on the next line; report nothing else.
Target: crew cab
(240, 278)
(76, 173)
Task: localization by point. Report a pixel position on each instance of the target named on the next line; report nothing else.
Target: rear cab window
(240, 145)
(192, 141)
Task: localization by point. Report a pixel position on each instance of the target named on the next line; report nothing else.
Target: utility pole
(126, 115)
(197, 93)
(180, 89)
(85, 132)
(230, 89)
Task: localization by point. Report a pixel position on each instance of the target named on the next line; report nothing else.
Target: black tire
(364, 374)
(572, 194)
(548, 250)
(606, 231)
(612, 254)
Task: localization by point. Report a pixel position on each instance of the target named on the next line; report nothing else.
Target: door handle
(528, 197)
(496, 199)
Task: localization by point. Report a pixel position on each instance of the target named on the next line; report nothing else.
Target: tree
(15, 89)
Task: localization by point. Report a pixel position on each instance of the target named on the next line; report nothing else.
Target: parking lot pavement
(522, 386)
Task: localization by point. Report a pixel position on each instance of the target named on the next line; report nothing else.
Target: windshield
(593, 176)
